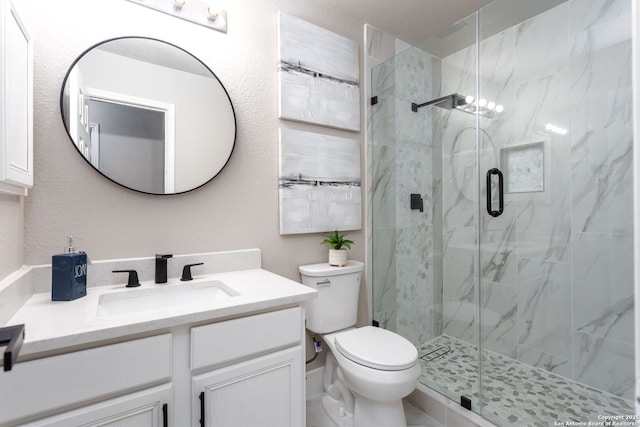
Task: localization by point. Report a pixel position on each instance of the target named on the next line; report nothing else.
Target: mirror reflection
(148, 115)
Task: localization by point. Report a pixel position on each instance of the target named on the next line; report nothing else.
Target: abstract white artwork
(319, 183)
(318, 75)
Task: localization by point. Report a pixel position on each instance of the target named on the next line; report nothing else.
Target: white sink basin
(164, 298)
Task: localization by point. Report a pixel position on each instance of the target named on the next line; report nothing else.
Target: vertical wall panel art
(319, 183)
(318, 75)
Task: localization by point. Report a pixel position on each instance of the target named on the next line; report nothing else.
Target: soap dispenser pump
(68, 274)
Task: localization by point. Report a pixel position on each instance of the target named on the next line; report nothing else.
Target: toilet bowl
(368, 370)
(377, 377)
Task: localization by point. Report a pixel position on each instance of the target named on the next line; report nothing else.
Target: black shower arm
(455, 100)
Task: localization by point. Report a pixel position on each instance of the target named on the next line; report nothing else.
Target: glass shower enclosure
(502, 209)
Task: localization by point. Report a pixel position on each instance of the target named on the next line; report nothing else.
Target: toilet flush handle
(325, 282)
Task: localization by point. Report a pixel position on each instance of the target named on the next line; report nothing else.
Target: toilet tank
(338, 288)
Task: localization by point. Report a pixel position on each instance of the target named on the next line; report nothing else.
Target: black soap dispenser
(68, 274)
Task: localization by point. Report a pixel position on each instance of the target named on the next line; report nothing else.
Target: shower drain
(436, 354)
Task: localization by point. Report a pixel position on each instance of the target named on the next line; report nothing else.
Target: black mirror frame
(64, 123)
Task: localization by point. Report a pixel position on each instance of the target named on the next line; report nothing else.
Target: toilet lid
(377, 348)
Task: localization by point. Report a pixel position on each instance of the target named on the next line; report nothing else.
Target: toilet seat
(377, 348)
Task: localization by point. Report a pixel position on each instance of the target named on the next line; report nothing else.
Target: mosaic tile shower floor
(514, 393)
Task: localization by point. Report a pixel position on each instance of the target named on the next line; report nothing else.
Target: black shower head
(448, 102)
(466, 104)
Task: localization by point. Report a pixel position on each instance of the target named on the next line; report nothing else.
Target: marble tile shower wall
(405, 298)
(557, 266)
(414, 172)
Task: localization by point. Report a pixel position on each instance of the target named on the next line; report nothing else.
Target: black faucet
(161, 268)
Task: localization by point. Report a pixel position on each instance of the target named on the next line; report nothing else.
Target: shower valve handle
(416, 202)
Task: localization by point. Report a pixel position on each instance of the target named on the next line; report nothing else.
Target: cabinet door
(267, 391)
(16, 102)
(147, 408)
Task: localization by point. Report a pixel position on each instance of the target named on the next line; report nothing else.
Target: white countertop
(51, 326)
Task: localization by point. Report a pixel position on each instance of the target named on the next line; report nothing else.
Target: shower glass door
(425, 208)
(556, 279)
(502, 209)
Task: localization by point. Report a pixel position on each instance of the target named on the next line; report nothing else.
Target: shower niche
(523, 167)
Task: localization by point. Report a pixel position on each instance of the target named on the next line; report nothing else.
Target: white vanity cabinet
(16, 102)
(118, 383)
(243, 371)
(250, 371)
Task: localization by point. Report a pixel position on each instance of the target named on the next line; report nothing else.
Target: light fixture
(482, 102)
(469, 99)
(177, 4)
(491, 105)
(499, 108)
(202, 12)
(212, 14)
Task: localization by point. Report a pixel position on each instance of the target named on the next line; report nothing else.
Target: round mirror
(148, 115)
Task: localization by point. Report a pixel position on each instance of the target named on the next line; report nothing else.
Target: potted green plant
(339, 246)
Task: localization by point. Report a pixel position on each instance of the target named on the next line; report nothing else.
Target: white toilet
(368, 370)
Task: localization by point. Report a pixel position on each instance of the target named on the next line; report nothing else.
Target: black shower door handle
(495, 171)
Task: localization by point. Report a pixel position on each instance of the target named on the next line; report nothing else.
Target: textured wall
(238, 209)
(11, 234)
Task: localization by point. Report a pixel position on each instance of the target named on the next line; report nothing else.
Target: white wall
(238, 209)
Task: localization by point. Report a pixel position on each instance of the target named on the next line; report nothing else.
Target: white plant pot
(338, 257)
